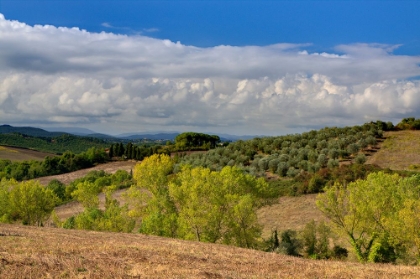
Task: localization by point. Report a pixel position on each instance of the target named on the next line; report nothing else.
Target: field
(399, 151)
(33, 252)
(289, 213)
(21, 154)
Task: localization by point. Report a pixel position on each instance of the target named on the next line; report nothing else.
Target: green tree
(149, 197)
(32, 202)
(365, 211)
(87, 194)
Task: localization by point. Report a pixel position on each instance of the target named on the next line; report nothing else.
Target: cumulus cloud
(116, 83)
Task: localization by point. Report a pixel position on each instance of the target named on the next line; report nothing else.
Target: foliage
(191, 140)
(290, 244)
(57, 145)
(114, 218)
(375, 214)
(68, 162)
(315, 240)
(189, 205)
(290, 155)
(153, 204)
(409, 123)
(27, 201)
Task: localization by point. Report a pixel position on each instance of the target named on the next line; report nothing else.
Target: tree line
(68, 162)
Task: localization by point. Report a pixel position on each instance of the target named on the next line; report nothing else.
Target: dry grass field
(289, 213)
(399, 151)
(32, 252)
(20, 154)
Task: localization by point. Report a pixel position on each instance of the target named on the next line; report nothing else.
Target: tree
(366, 211)
(32, 202)
(290, 244)
(149, 197)
(218, 206)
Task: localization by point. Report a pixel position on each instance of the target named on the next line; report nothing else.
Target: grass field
(399, 151)
(33, 252)
(289, 213)
(20, 154)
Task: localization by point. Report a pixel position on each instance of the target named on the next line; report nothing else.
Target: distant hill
(51, 142)
(101, 136)
(126, 137)
(30, 131)
(160, 136)
(71, 130)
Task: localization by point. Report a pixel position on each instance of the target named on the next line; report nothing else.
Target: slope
(58, 253)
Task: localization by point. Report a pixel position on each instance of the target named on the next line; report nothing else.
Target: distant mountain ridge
(30, 131)
(58, 131)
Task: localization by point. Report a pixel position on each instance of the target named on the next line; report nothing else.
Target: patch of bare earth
(108, 167)
(398, 151)
(33, 252)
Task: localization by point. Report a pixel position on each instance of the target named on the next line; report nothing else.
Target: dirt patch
(108, 167)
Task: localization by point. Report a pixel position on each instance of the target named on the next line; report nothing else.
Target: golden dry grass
(31, 252)
(399, 151)
(20, 154)
(289, 213)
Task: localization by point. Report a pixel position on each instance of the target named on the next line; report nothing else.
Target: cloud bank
(116, 83)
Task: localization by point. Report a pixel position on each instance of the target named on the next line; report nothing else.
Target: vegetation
(377, 215)
(67, 162)
(58, 144)
(26, 201)
(214, 196)
(193, 141)
(189, 206)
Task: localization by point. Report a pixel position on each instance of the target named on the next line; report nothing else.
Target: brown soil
(33, 252)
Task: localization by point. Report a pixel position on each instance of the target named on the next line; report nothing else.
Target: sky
(233, 67)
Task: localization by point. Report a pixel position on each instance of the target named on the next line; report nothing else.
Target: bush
(360, 159)
(290, 244)
(339, 252)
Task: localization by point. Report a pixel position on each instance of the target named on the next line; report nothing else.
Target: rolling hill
(36, 252)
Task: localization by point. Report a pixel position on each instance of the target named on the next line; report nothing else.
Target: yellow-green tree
(149, 198)
(366, 211)
(31, 202)
(5, 206)
(87, 194)
(217, 206)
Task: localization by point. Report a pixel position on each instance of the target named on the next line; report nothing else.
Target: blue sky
(243, 67)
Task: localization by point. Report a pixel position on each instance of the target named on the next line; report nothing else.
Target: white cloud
(117, 83)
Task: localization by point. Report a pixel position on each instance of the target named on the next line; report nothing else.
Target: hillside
(58, 253)
(21, 154)
(57, 144)
(399, 151)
